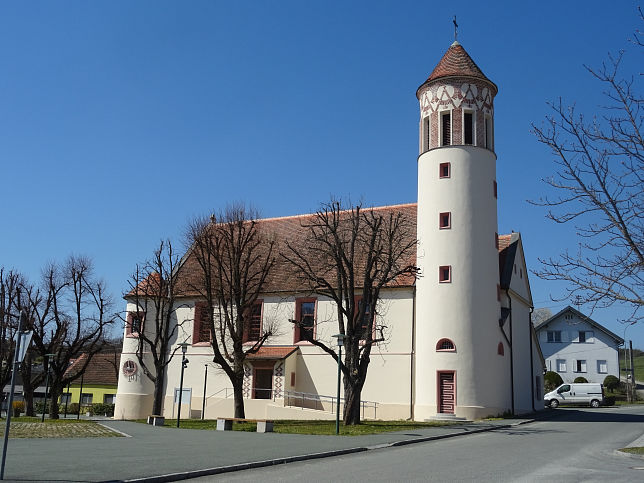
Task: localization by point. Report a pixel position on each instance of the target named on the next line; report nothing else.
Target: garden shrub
(609, 401)
(101, 409)
(580, 380)
(552, 381)
(18, 407)
(611, 383)
(72, 408)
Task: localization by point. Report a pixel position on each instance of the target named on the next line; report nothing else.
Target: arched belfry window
(445, 345)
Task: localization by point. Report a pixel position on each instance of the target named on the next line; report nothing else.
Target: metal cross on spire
(455, 28)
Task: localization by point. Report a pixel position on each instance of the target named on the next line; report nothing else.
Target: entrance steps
(446, 417)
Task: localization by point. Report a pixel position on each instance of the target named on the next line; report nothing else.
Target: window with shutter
(446, 128)
(254, 331)
(305, 319)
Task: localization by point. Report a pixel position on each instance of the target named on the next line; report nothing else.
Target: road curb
(311, 456)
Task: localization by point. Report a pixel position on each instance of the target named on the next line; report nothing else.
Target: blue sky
(121, 120)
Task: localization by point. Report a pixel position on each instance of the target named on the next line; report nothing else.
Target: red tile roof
(100, 370)
(283, 277)
(266, 352)
(457, 62)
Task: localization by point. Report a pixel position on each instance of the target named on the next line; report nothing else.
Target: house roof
(456, 62)
(272, 353)
(100, 370)
(508, 245)
(290, 229)
(585, 318)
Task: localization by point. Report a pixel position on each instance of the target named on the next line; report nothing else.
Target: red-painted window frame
(441, 168)
(129, 332)
(441, 273)
(297, 337)
(248, 337)
(441, 220)
(201, 310)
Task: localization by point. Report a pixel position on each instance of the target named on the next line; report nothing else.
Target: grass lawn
(634, 450)
(311, 427)
(26, 427)
(638, 364)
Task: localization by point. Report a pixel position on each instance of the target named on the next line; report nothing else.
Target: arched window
(445, 345)
(500, 350)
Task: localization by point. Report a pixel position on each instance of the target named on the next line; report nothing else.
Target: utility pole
(633, 393)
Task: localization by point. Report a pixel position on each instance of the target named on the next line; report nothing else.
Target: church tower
(459, 367)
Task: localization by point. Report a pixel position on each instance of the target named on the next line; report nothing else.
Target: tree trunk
(54, 393)
(238, 389)
(27, 385)
(157, 405)
(352, 397)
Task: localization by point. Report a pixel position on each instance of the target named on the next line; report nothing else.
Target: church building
(461, 341)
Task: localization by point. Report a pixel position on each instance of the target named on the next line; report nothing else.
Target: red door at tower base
(446, 392)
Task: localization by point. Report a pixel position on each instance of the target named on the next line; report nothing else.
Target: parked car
(588, 393)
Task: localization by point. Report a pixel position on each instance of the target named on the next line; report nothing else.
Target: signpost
(19, 355)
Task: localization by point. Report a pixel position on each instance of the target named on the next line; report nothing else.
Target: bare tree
(70, 312)
(10, 305)
(154, 293)
(600, 186)
(350, 255)
(234, 258)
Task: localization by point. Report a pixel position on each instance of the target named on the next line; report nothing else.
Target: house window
(561, 365)
(446, 128)
(582, 336)
(495, 187)
(305, 319)
(86, 398)
(109, 398)
(445, 220)
(585, 337)
(580, 365)
(292, 379)
(66, 398)
(554, 336)
(602, 367)
(568, 316)
(134, 323)
(488, 133)
(500, 349)
(254, 322)
(468, 127)
(362, 326)
(425, 134)
(445, 345)
(445, 274)
(201, 328)
(444, 170)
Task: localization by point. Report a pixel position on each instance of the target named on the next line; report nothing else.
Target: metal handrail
(319, 398)
(224, 390)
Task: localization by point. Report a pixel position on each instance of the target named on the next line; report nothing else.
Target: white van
(575, 393)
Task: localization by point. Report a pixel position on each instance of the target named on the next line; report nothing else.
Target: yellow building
(99, 381)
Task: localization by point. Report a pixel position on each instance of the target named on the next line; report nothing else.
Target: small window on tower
(445, 274)
(426, 134)
(446, 128)
(496, 189)
(468, 128)
(444, 170)
(445, 220)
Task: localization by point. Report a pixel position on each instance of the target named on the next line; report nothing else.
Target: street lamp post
(205, 382)
(48, 357)
(184, 363)
(340, 338)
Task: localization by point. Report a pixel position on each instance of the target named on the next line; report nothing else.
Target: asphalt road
(578, 445)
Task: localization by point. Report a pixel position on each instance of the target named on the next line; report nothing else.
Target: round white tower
(459, 368)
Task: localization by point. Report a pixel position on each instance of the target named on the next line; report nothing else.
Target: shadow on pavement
(601, 415)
